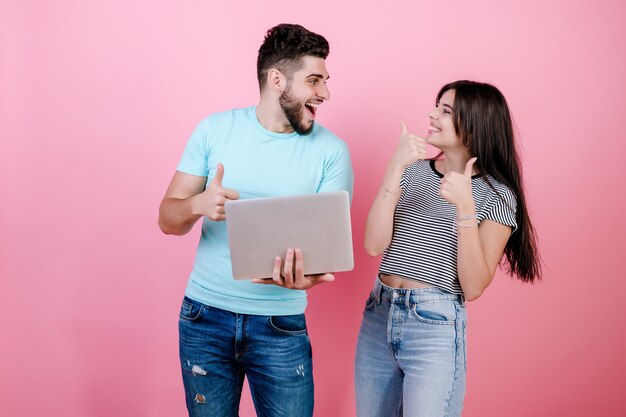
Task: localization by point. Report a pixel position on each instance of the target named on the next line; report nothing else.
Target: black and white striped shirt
(424, 243)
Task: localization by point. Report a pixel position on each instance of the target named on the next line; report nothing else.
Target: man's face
(305, 91)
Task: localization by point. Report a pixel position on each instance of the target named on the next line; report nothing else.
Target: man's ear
(276, 80)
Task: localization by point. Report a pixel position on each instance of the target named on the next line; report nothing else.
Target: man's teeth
(312, 107)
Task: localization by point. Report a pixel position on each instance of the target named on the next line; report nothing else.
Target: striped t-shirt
(424, 242)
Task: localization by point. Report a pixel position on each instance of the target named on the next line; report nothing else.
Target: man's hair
(284, 47)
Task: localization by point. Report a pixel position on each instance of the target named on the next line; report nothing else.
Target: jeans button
(395, 295)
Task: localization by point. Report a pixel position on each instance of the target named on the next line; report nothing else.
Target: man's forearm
(177, 216)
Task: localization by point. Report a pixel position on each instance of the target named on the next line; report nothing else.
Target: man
(230, 328)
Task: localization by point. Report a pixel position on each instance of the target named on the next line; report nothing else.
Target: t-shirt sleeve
(405, 180)
(337, 174)
(196, 154)
(502, 208)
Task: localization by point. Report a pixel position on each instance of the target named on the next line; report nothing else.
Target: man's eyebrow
(320, 76)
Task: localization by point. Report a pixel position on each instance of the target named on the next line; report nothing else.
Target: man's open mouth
(312, 107)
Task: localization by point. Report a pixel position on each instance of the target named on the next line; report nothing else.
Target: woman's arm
(480, 248)
(379, 225)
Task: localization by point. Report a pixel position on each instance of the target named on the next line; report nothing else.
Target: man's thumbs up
(219, 175)
(215, 196)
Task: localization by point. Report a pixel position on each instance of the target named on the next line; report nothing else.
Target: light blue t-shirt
(257, 163)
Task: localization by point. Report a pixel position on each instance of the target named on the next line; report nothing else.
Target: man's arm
(187, 199)
(338, 174)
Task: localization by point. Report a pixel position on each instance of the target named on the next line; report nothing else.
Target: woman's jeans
(410, 357)
(218, 347)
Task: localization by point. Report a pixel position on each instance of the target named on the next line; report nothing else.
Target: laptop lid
(261, 229)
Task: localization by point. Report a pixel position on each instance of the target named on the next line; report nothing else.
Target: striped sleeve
(406, 179)
(502, 208)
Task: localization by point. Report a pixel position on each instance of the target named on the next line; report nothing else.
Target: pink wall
(98, 100)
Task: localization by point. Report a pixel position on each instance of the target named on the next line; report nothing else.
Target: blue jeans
(218, 347)
(410, 358)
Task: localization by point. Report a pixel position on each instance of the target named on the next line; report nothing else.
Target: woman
(443, 226)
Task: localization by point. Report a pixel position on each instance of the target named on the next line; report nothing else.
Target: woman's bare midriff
(395, 281)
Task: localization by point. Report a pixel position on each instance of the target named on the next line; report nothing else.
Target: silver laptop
(261, 229)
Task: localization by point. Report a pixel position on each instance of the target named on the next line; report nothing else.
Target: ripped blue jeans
(218, 348)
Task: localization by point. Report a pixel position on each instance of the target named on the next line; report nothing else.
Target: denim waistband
(410, 296)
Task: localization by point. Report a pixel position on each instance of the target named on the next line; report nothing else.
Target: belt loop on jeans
(379, 290)
(407, 299)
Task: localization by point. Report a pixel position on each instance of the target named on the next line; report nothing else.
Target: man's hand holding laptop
(290, 274)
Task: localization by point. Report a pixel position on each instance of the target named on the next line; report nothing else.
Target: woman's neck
(454, 161)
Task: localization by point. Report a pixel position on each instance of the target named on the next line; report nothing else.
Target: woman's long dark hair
(483, 122)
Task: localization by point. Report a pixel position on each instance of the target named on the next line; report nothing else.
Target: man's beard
(294, 112)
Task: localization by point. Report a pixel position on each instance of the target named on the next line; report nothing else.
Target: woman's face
(442, 133)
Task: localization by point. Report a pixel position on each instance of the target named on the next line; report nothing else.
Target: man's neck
(271, 116)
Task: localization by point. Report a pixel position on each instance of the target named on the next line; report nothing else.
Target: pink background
(97, 102)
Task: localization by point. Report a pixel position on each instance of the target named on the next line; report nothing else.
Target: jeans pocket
(441, 312)
(370, 302)
(293, 325)
(190, 310)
